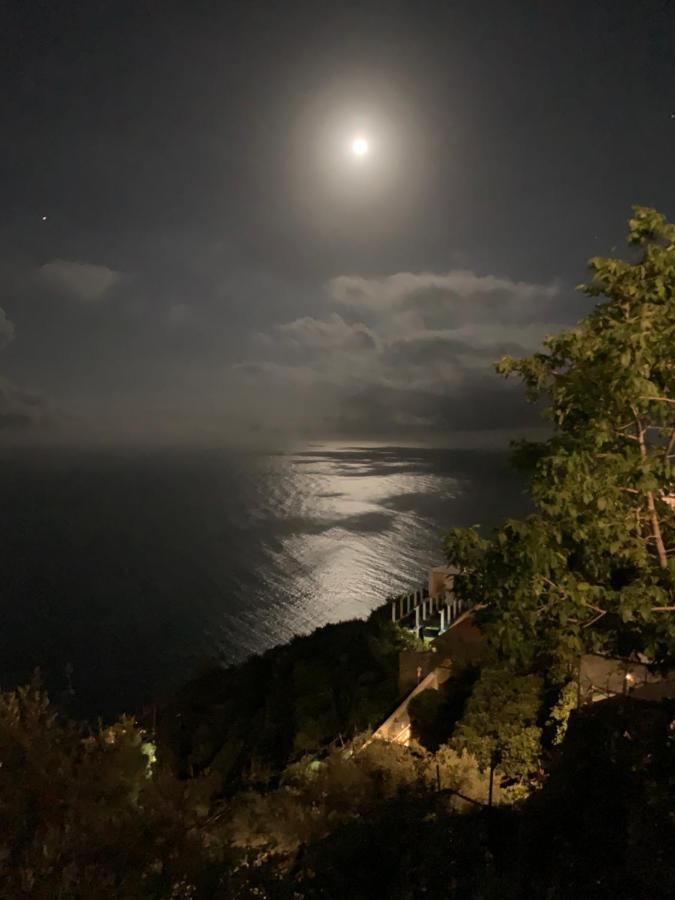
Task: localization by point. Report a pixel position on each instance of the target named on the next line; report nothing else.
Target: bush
(93, 814)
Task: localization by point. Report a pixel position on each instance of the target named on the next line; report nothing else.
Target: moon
(360, 146)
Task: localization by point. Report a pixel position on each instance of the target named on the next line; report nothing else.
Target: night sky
(190, 252)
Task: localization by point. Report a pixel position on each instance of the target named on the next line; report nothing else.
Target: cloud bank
(405, 356)
(405, 353)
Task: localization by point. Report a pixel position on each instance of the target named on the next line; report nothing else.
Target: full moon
(360, 146)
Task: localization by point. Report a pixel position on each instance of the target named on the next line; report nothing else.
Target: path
(462, 642)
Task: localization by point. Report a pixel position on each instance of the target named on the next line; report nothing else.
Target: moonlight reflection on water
(135, 568)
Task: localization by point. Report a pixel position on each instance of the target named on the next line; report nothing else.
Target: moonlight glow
(360, 146)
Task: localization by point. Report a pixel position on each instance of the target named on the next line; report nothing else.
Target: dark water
(136, 568)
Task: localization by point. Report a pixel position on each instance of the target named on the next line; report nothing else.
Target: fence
(418, 610)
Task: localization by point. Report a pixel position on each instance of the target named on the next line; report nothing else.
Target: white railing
(416, 609)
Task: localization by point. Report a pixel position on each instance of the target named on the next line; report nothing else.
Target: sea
(123, 574)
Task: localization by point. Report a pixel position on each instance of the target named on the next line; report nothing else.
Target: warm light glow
(360, 146)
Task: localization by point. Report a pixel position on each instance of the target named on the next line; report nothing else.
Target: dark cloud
(455, 295)
(6, 329)
(21, 410)
(401, 355)
(434, 346)
(82, 281)
(487, 406)
(395, 374)
(330, 333)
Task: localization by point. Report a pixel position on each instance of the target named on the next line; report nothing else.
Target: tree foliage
(93, 814)
(500, 727)
(567, 701)
(294, 699)
(89, 814)
(594, 566)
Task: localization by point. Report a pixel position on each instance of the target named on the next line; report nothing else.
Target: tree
(95, 815)
(426, 711)
(499, 727)
(560, 712)
(594, 566)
